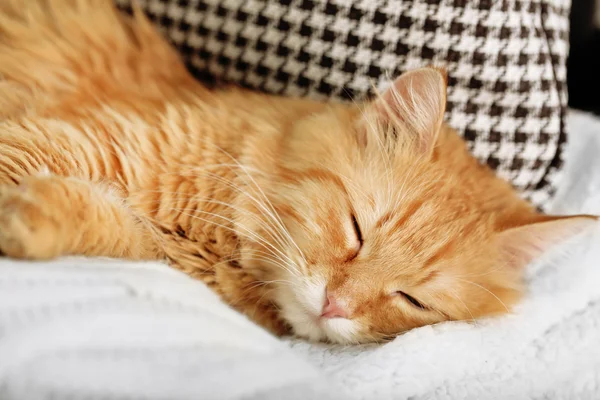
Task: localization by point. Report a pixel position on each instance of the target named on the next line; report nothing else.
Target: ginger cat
(346, 223)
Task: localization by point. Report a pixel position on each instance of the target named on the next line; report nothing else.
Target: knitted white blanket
(102, 329)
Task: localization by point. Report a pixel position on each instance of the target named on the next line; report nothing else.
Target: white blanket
(103, 329)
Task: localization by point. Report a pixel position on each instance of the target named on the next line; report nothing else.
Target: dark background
(583, 67)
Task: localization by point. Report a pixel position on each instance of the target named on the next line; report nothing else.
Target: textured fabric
(506, 61)
(93, 329)
(85, 329)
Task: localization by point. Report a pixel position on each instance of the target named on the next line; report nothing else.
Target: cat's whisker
(266, 212)
(256, 251)
(258, 284)
(440, 303)
(274, 233)
(268, 291)
(190, 169)
(273, 213)
(272, 261)
(281, 264)
(245, 290)
(270, 214)
(502, 266)
(289, 263)
(457, 297)
(252, 235)
(487, 290)
(269, 256)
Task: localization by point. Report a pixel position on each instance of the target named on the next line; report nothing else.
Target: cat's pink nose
(331, 309)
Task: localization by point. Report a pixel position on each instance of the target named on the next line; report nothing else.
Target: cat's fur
(108, 147)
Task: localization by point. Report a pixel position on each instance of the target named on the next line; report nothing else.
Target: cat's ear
(417, 100)
(523, 244)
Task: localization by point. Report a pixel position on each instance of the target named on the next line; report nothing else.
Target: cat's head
(381, 221)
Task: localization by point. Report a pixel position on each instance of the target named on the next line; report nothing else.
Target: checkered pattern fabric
(506, 62)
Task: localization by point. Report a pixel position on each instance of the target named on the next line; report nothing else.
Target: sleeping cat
(345, 223)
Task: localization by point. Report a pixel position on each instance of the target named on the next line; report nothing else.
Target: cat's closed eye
(359, 238)
(411, 300)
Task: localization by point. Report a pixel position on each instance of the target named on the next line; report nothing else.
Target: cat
(346, 223)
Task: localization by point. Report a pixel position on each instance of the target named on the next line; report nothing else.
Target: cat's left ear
(417, 101)
(523, 244)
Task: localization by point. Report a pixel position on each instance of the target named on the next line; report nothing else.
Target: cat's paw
(33, 218)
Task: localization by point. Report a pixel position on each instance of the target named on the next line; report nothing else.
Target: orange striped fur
(108, 147)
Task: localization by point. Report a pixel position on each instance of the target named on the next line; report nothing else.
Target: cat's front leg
(49, 216)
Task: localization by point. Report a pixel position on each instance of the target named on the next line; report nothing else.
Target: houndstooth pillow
(506, 62)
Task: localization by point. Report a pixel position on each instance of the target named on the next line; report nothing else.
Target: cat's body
(319, 218)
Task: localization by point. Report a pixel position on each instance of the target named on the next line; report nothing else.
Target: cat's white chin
(301, 308)
(340, 330)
